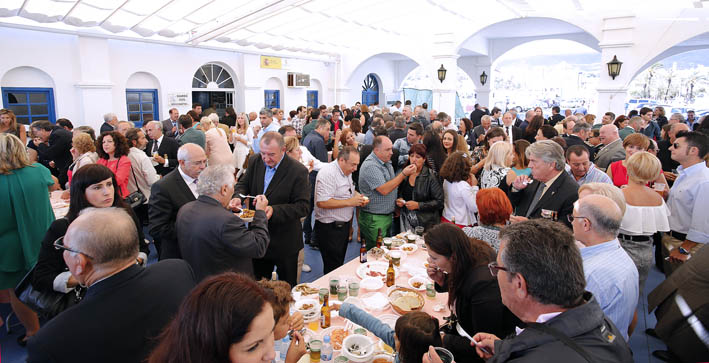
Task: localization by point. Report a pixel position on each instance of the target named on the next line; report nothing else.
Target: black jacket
(559, 198)
(554, 119)
(478, 308)
(167, 195)
(50, 261)
(572, 140)
(429, 194)
(58, 149)
(665, 156)
(168, 146)
(118, 320)
(213, 240)
(106, 127)
(395, 134)
(585, 325)
(476, 115)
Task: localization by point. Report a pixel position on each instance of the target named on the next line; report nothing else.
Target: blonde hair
(205, 123)
(643, 167)
(291, 143)
(638, 140)
(498, 154)
(83, 143)
(608, 191)
(13, 154)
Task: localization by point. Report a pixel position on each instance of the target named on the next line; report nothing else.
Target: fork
(246, 196)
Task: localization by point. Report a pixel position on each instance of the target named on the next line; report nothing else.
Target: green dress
(25, 216)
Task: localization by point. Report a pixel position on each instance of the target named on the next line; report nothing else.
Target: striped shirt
(372, 174)
(332, 183)
(593, 175)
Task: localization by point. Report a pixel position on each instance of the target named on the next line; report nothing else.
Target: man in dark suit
(284, 182)
(513, 132)
(161, 145)
(482, 129)
(477, 114)
(552, 193)
(578, 136)
(211, 238)
(556, 116)
(316, 143)
(125, 307)
(110, 122)
(170, 126)
(168, 194)
(55, 148)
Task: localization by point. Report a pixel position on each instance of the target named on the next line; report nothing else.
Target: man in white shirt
(513, 132)
(446, 122)
(396, 107)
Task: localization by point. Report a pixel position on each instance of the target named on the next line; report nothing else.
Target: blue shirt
(613, 279)
(257, 143)
(369, 137)
(369, 322)
(688, 201)
(593, 175)
(268, 175)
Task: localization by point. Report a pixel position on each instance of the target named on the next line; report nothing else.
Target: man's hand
(357, 200)
(235, 204)
(52, 164)
(484, 341)
(670, 176)
(159, 159)
(521, 182)
(261, 203)
(269, 212)
(409, 170)
(400, 202)
(296, 349)
(295, 321)
(676, 256)
(517, 219)
(412, 205)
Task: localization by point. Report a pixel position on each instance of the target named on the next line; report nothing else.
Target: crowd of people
(544, 224)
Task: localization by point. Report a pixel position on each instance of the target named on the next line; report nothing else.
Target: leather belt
(679, 236)
(634, 238)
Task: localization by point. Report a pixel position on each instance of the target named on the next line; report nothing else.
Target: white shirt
(332, 183)
(142, 172)
(306, 157)
(688, 199)
(191, 183)
(459, 202)
(508, 131)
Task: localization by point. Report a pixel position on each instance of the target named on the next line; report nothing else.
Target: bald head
(675, 128)
(608, 134)
(108, 235)
(189, 151)
(603, 214)
(529, 115)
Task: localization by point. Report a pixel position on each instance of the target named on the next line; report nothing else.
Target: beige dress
(217, 147)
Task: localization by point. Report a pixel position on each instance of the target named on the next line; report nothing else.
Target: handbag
(46, 304)
(136, 198)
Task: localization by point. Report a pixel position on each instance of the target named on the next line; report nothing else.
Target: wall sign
(178, 98)
(271, 62)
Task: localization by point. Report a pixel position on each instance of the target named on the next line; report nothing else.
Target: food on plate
(374, 273)
(355, 349)
(407, 301)
(337, 336)
(247, 213)
(304, 289)
(376, 252)
(407, 248)
(306, 307)
(416, 284)
(381, 360)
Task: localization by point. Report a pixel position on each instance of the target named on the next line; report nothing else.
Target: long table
(59, 206)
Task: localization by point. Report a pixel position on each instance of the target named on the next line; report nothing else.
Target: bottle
(325, 313)
(391, 278)
(277, 347)
(326, 350)
(379, 239)
(274, 276)
(363, 253)
(285, 344)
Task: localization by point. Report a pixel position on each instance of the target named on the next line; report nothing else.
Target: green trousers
(370, 224)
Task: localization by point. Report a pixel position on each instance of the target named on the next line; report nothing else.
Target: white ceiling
(326, 27)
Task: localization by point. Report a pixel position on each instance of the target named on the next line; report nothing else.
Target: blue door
(272, 98)
(142, 105)
(313, 99)
(30, 104)
(370, 90)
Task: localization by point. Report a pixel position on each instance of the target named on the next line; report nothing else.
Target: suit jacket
(214, 240)
(610, 153)
(559, 197)
(396, 134)
(572, 140)
(476, 115)
(517, 133)
(288, 194)
(665, 156)
(479, 130)
(554, 119)
(167, 195)
(105, 127)
(118, 319)
(691, 281)
(58, 149)
(168, 146)
(167, 128)
(194, 136)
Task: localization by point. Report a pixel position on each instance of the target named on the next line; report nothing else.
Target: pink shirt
(121, 168)
(217, 147)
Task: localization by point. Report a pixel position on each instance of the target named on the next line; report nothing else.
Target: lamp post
(483, 78)
(614, 67)
(441, 73)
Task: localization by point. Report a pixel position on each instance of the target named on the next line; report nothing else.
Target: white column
(444, 92)
(474, 66)
(253, 83)
(95, 88)
(617, 40)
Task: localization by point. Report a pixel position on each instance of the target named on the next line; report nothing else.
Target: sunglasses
(59, 245)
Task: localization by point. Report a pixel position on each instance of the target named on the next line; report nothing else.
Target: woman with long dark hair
(421, 194)
(226, 318)
(435, 154)
(113, 152)
(530, 133)
(92, 186)
(450, 142)
(458, 266)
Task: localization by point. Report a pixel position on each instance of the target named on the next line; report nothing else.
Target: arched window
(212, 76)
(370, 90)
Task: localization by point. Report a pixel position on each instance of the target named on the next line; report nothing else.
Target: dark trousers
(307, 228)
(332, 240)
(287, 268)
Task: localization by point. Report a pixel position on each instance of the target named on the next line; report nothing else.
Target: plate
(375, 269)
(247, 220)
(371, 283)
(414, 300)
(409, 248)
(389, 319)
(418, 279)
(375, 301)
(299, 289)
(310, 308)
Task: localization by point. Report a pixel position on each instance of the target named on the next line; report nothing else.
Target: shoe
(665, 355)
(22, 340)
(651, 332)
(306, 268)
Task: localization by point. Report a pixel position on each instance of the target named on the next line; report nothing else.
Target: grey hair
(677, 116)
(346, 152)
(606, 190)
(545, 254)
(406, 107)
(486, 118)
(131, 123)
(107, 246)
(399, 122)
(109, 116)
(268, 137)
(603, 222)
(581, 126)
(635, 120)
(183, 152)
(156, 123)
(266, 111)
(322, 122)
(549, 151)
(213, 178)
(214, 118)
(421, 113)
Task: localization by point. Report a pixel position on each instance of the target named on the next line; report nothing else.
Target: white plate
(406, 245)
(419, 278)
(371, 283)
(375, 301)
(389, 319)
(293, 291)
(377, 266)
(308, 314)
(247, 220)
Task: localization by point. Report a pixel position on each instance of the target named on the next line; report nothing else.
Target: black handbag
(46, 304)
(136, 198)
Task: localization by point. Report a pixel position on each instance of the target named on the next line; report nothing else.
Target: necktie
(155, 146)
(507, 131)
(535, 200)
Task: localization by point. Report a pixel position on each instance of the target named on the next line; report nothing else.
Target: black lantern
(614, 67)
(441, 73)
(483, 78)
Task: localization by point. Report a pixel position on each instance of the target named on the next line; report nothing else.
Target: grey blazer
(610, 153)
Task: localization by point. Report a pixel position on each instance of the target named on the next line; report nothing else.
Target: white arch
(26, 76)
(142, 79)
(700, 40)
(226, 67)
(357, 71)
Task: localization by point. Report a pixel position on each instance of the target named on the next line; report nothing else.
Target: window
(313, 99)
(30, 104)
(272, 98)
(370, 90)
(212, 73)
(142, 105)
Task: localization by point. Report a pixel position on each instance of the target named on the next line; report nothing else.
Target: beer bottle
(363, 252)
(379, 239)
(325, 313)
(391, 274)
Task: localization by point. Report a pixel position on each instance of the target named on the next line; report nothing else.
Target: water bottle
(277, 347)
(326, 351)
(285, 344)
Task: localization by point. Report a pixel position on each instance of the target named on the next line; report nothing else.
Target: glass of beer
(659, 188)
(315, 346)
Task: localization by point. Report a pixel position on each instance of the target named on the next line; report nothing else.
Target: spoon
(246, 196)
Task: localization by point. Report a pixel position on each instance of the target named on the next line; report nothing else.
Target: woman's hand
(296, 349)
(412, 205)
(400, 202)
(435, 273)
(295, 321)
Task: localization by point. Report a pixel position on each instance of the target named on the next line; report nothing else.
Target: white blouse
(645, 220)
(459, 202)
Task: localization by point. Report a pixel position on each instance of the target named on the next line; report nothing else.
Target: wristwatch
(683, 251)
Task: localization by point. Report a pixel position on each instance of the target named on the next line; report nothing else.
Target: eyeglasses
(571, 218)
(59, 245)
(495, 268)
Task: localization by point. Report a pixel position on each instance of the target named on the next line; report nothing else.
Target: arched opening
(29, 93)
(418, 83)
(273, 93)
(142, 98)
(391, 69)
(213, 85)
(314, 93)
(370, 90)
